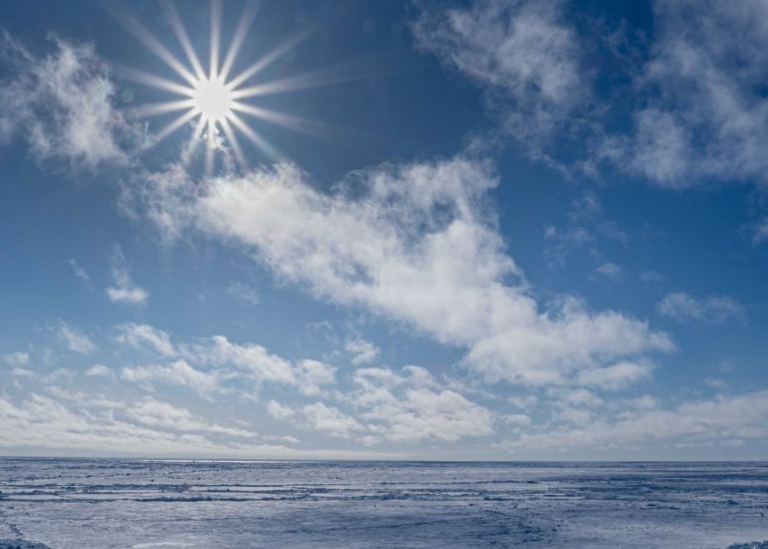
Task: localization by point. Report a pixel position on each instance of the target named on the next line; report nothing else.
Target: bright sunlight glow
(212, 99)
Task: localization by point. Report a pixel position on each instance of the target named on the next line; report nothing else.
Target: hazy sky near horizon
(494, 229)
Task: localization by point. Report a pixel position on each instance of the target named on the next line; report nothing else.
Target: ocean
(143, 504)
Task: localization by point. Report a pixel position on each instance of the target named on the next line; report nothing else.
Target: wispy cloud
(124, 289)
(694, 111)
(609, 271)
(74, 339)
(98, 370)
(17, 359)
(78, 270)
(243, 292)
(704, 117)
(683, 307)
(523, 52)
(178, 372)
(61, 104)
(137, 335)
(760, 232)
(651, 277)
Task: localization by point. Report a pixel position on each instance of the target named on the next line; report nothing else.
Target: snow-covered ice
(100, 504)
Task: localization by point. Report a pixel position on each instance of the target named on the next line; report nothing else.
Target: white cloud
(616, 377)
(312, 375)
(683, 307)
(704, 116)
(81, 422)
(418, 245)
(155, 413)
(362, 351)
(243, 292)
(411, 406)
(216, 364)
(579, 397)
(408, 406)
(697, 109)
(61, 105)
(254, 360)
(136, 335)
(717, 420)
(179, 372)
(279, 411)
(74, 339)
(124, 289)
(523, 51)
(610, 271)
(331, 420)
(98, 370)
(17, 359)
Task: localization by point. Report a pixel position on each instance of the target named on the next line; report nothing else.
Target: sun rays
(212, 98)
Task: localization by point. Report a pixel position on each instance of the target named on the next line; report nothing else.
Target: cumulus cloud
(253, 360)
(124, 289)
(522, 51)
(407, 406)
(331, 420)
(704, 116)
(313, 375)
(61, 104)
(683, 307)
(410, 405)
(74, 339)
(213, 365)
(279, 411)
(362, 351)
(415, 243)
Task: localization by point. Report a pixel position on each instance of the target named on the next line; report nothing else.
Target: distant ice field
(100, 504)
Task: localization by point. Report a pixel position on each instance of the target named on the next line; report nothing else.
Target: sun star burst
(213, 100)
(210, 98)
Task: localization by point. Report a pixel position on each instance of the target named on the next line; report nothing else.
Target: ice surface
(100, 504)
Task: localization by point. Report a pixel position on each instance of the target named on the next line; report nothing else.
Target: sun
(212, 100)
(209, 97)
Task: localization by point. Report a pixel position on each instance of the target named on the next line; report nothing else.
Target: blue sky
(500, 229)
